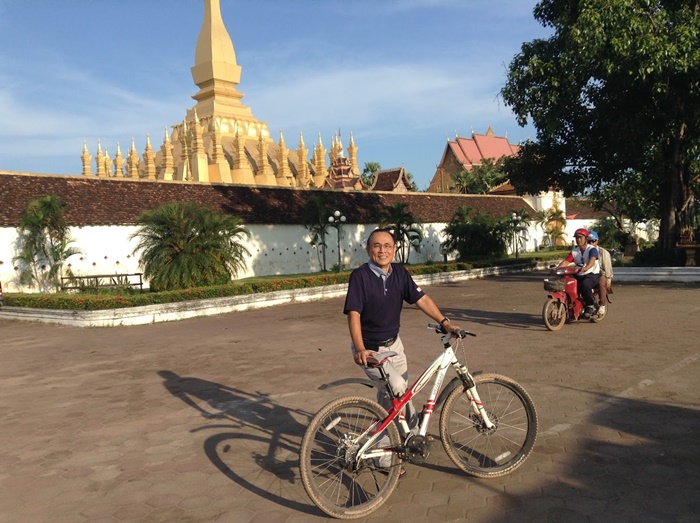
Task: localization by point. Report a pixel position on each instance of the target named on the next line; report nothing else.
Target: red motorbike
(563, 301)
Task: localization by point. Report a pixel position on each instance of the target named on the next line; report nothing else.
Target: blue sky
(402, 75)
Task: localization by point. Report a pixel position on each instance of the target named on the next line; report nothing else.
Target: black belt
(376, 344)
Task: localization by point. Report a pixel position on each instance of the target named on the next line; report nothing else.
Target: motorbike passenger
(585, 256)
(606, 271)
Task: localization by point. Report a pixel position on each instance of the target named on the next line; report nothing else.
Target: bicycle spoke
(489, 451)
(337, 480)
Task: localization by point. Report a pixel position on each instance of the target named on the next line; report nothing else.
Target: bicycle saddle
(372, 360)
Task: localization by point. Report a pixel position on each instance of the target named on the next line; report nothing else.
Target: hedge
(121, 298)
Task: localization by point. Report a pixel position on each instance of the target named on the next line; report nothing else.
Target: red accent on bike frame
(398, 405)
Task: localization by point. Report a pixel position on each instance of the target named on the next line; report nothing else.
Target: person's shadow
(272, 426)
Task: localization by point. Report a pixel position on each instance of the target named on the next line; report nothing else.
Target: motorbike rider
(585, 256)
(606, 271)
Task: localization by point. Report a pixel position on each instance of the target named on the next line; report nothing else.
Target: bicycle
(486, 434)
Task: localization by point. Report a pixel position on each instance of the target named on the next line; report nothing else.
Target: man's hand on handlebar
(455, 331)
(452, 329)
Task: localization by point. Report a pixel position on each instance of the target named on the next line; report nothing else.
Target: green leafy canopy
(614, 94)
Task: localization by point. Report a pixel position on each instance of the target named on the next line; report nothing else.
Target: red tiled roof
(464, 153)
(493, 147)
(470, 151)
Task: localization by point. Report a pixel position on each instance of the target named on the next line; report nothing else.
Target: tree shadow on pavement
(506, 320)
(256, 446)
(630, 460)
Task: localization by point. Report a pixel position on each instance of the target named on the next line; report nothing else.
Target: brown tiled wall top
(92, 201)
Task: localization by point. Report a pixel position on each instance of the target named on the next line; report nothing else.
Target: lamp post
(515, 218)
(337, 219)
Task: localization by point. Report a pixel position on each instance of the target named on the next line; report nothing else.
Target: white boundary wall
(274, 250)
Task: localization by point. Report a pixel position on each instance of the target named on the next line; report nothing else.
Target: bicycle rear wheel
(336, 481)
(484, 452)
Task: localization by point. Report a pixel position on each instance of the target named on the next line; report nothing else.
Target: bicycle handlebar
(461, 333)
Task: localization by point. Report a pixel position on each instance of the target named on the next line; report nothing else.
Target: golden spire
(215, 71)
(86, 158)
(132, 161)
(149, 159)
(108, 163)
(118, 163)
(99, 160)
(352, 153)
(284, 175)
(167, 161)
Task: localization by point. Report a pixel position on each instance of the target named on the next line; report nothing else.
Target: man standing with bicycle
(376, 292)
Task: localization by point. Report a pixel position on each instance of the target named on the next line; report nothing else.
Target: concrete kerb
(193, 309)
(657, 274)
(196, 308)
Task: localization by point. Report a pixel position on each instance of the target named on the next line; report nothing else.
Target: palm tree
(315, 216)
(43, 243)
(186, 245)
(516, 229)
(369, 173)
(461, 182)
(463, 214)
(556, 224)
(541, 221)
(406, 229)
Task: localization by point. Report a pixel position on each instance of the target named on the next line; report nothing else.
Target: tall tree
(480, 179)
(184, 245)
(406, 228)
(315, 218)
(476, 235)
(461, 182)
(556, 224)
(614, 92)
(43, 243)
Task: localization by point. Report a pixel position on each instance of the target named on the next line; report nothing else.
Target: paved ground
(201, 420)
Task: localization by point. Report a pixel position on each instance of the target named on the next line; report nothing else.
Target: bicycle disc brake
(481, 426)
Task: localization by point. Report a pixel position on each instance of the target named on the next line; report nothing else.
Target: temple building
(343, 174)
(393, 180)
(462, 154)
(220, 140)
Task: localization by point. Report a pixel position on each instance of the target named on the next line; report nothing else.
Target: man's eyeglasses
(378, 246)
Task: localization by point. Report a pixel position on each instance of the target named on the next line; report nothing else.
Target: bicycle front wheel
(339, 483)
(489, 452)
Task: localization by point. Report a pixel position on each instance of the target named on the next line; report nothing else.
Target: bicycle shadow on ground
(257, 444)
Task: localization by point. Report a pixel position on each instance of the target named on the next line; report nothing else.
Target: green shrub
(118, 298)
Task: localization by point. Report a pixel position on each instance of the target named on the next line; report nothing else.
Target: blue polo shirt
(379, 297)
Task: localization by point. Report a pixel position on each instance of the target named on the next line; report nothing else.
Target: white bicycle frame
(437, 368)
